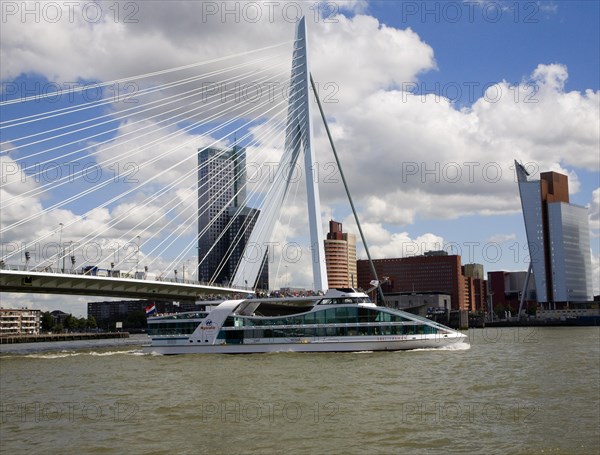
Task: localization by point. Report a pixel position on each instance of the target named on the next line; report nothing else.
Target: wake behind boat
(343, 320)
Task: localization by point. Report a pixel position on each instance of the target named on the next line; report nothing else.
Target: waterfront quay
(13, 339)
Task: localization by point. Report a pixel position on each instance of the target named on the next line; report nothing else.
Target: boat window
(256, 333)
(172, 328)
(367, 315)
(347, 300)
(319, 317)
(231, 336)
(330, 316)
(384, 317)
(341, 315)
(263, 322)
(308, 332)
(298, 320)
(309, 318)
(351, 315)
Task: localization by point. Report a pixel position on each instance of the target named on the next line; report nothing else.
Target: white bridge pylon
(299, 132)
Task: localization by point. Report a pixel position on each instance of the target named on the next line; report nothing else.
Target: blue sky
(481, 48)
(387, 61)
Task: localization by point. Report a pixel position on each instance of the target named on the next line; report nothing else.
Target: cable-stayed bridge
(102, 195)
(46, 282)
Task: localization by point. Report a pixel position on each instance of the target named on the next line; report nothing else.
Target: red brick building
(505, 289)
(420, 274)
(475, 294)
(431, 273)
(475, 287)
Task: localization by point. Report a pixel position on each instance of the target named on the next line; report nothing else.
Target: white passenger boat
(342, 320)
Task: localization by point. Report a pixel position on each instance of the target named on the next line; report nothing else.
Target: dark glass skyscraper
(224, 222)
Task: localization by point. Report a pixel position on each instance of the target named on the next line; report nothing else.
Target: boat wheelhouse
(341, 320)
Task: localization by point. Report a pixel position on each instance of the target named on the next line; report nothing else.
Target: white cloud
(420, 156)
(168, 34)
(548, 7)
(384, 243)
(501, 238)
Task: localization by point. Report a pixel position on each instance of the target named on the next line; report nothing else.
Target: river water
(513, 391)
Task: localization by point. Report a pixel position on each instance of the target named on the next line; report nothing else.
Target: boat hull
(326, 345)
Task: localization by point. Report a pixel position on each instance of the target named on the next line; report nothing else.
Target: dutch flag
(150, 310)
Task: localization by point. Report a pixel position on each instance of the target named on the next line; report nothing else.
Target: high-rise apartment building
(475, 287)
(340, 257)
(224, 222)
(558, 236)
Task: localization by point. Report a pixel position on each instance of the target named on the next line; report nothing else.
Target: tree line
(70, 323)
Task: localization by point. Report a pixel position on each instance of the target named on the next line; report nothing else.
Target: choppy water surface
(514, 391)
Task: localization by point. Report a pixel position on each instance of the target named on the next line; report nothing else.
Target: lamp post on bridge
(60, 248)
(72, 251)
(112, 264)
(137, 260)
(190, 274)
(64, 257)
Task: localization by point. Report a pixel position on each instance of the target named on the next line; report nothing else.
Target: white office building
(570, 253)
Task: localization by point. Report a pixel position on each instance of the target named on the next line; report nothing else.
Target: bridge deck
(63, 283)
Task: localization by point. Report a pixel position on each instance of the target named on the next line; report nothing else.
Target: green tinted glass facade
(327, 315)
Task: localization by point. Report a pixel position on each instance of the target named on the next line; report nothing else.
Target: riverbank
(50, 337)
